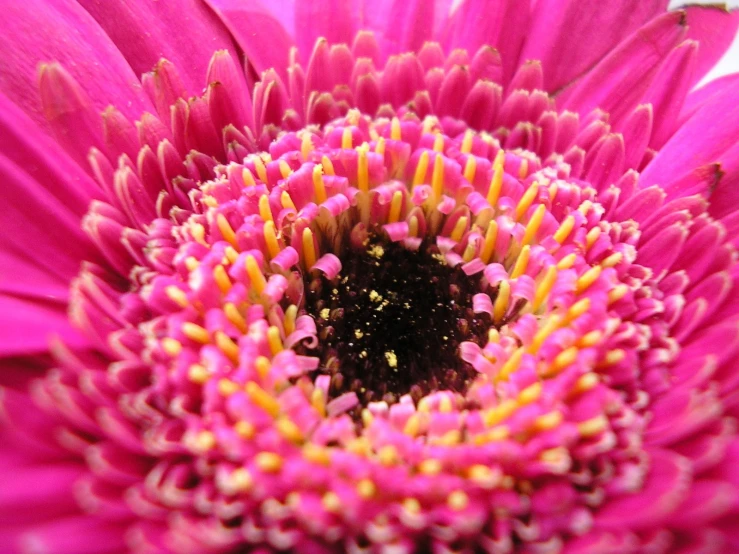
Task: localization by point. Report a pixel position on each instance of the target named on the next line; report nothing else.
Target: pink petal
(714, 27)
(598, 26)
(260, 35)
(329, 19)
(185, 32)
(617, 82)
(56, 30)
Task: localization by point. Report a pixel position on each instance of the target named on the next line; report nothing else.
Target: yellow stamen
(231, 255)
(590, 339)
(510, 365)
(262, 365)
(388, 455)
(258, 282)
(328, 166)
(319, 188)
(469, 251)
(567, 262)
(198, 374)
(191, 263)
(270, 238)
(522, 262)
(366, 488)
(470, 167)
(412, 426)
(591, 237)
(265, 212)
(248, 177)
(466, 146)
(380, 146)
(500, 412)
(547, 329)
(289, 430)
(617, 293)
(287, 201)
(564, 229)
(411, 505)
(331, 502)
(438, 142)
(430, 467)
(309, 248)
(306, 145)
(226, 387)
(395, 205)
(395, 131)
(171, 346)
(459, 229)
(221, 278)
(226, 230)
(274, 340)
(198, 233)
(227, 346)
(177, 295)
(612, 357)
(437, 177)
(545, 287)
(316, 454)
(234, 316)
(458, 500)
(564, 359)
(530, 394)
(269, 462)
(526, 200)
(285, 169)
(318, 402)
(423, 164)
(413, 226)
(195, 332)
(584, 208)
(362, 168)
(577, 309)
(593, 426)
(585, 383)
(241, 479)
(260, 168)
(204, 441)
(496, 183)
(291, 314)
(534, 224)
(491, 235)
(346, 138)
(612, 260)
(548, 421)
(501, 301)
(245, 429)
(262, 398)
(587, 279)
(523, 169)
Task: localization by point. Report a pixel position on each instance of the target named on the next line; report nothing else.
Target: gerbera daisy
(394, 277)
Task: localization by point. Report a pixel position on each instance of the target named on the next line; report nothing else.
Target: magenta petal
(617, 82)
(259, 34)
(714, 28)
(185, 32)
(598, 26)
(74, 535)
(329, 19)
(42, 31)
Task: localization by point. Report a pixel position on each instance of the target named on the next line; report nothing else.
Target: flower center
(391, 322)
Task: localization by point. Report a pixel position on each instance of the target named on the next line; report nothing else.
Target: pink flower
(437, 282)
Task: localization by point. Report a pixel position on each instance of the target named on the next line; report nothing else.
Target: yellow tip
(258, 282)
(466, 146)
(491, 235)
(544, 287)
(309, 248)
(419, 177)
(265, 212)
(470, 167)
(270, 238)
(234, 316)
(459, 229)
(286, 201)
(395, 205)
(346, 138)
(395, 130)
(274, 340)
(248, 177)
(534, 223)
(362, 169)
(501, 301)
(380, 146)
(221, 278)
(496, 183)
(328, 166)
(306, 145)
(285, 169)
(522, 262)
(195, 332)
(526, 200)
(291, 314)
(319, 188)
(260, 168)
(587, 279)
(227, 346)
(438, 143)
(225, 228)
(565, 229)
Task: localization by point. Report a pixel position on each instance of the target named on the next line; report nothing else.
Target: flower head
(405, 281)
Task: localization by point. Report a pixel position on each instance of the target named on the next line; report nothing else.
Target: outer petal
(185, 32)
(37, 31)
(598, 26)
(260, 35)
(714, 27)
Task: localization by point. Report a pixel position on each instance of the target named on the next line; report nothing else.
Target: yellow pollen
(612, 357)
(564, 359)
(221, 278)
(309, 248)
(459, 229)
(584, 208)
(469, 251)
(545, 287)
(265, 212)
(319, 188)
(367, 417)
(491, 235)
(590, 339)
(380, 146)
(501, 301)
(291, 314)
(445, 405)
(306, 145)
(530, 394)
(482, 475)
(423, 165)
(522, 262)
(262, 365)
(591, 237)
(195, 332)
(234, 316)
(362, 168)
(617, 293)
(231, 255)
(548, 421)
(523, 169)
(395, 206)
(289, 430)
(241, 479)
(438, 142)
(225, 228)
(197, 374)
(285, 169)
(177, 295)
(412, 426)
(510, 365)
(204, 441)
(458, 500)
(437, 177)
(430, 467)
(262, 398)
(257, 280)
(346, 138)
(553, 188)
(198, 233)
(388, 455)
(260, 168)
(331, 502)
(534, 224)
(586, 382)
(366, 488)
(412, 506)
(274, 340)
(501, 412)
(470, 167)
(466, 146)
(269, 462)
(547, 329)
(328, 166)
(413, 226)
(526, 200)
(270, 238)
(395, 133)
(209, 201)
(318, 401)
(245, 429)
(577, 309)
(567, 262)
(593, 426)
(496, 183)
(316, 454)
(498, 433)
(191, 263)
(587, 279)
(248, 177)
(227, 345)
(286, 202)
(564, 229)
(226, 387)
(612, 260)
(493, 335)
(171, 346)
